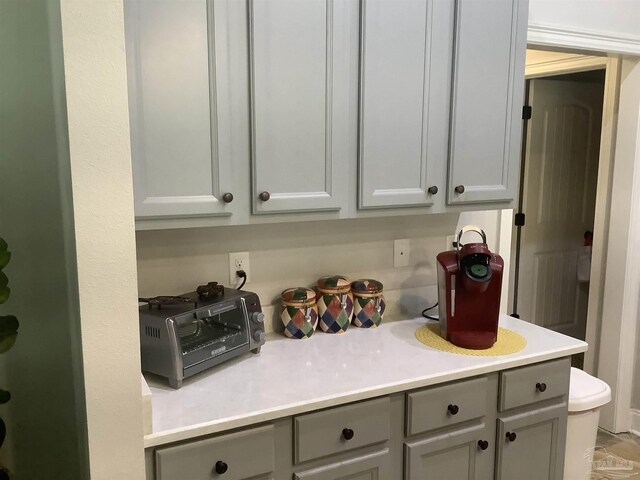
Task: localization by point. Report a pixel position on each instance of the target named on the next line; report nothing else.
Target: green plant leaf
(7, 340)
(5, 257)
(4, 280)
(5, 396)
(8, 324)
(4, 294)
(3, 245)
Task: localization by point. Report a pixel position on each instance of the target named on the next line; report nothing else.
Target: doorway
(557, 201)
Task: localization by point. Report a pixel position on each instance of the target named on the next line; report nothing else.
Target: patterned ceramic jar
(299, 312)
(368, 303)
(335, 303)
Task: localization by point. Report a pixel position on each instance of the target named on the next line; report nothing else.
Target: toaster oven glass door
(211, 332)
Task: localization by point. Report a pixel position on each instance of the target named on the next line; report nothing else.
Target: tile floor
(616, 456)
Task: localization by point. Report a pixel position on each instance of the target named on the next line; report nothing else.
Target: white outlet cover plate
(401, 252)
(234, 258)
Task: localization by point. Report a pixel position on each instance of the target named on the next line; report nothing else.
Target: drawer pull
(227, 197)
(264, 196)
(433, 190)
(453, 409)
(541, 387)
(483, 444)
(459, 189)
(347, 433)
(221, 467)
(511, 436)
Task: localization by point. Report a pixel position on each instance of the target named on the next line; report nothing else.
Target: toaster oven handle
(213, 311)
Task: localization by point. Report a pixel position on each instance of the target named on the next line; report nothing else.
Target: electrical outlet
(401, 252)
(238, 261)
(450, 242)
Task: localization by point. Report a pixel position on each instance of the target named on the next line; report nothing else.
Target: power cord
(243, 275)
(424, 312)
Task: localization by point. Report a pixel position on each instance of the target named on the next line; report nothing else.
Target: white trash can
(586, 395)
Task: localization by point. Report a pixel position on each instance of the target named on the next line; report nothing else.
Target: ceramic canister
(335, 303)
(368, 303)
(299, 312)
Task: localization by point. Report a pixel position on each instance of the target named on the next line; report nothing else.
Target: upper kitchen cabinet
(182, 110)
(302, 62)
(486, 109)
(405, 77)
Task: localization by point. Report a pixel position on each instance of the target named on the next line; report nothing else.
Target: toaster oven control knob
(257, 317)
(221, 467)
(259, 336)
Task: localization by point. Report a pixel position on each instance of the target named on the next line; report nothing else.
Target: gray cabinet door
(303, 70)
(374, 466)
(177, 109)
(406, 50)
(452, 455)
(536, 448)
(486, 116)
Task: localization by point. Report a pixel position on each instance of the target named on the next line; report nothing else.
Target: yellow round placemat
(508, 342)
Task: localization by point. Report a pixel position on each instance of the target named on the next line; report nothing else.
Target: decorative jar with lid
(368, 303)
(299, 312)
(335, 303)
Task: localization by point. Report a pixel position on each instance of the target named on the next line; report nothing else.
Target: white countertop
(294, 376)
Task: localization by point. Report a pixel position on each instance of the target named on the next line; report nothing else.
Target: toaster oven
(180, 340)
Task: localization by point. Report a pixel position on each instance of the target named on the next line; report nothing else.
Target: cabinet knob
(453, 409)
(459, 189)
(347, 433)
(432, 190)
(221, 467)
(511, 436)
(483, 444)
(541, 387)
(264, 196)
(227, 197)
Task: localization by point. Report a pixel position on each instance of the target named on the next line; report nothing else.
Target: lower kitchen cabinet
(531, 444)
(504, 425)
(374, 466)
(465, 454)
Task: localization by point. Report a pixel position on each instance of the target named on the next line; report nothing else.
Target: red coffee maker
(469, 284)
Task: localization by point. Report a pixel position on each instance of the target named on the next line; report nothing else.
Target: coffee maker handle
(470, 228)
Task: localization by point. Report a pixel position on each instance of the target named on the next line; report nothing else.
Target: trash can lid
(587, 392)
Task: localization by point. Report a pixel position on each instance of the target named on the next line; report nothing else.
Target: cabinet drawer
(340, 429)
(450, 404)
(245, 454)
(522, 386)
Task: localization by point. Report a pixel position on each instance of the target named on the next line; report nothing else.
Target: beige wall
(98, 125)
(297, 254)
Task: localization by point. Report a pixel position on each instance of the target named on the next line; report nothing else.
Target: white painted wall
(46, 416)
(596, 25)
(98, 125)
(622, 281)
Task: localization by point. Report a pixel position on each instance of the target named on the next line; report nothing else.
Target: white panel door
(486, 123)
(561, 169)
(406, 52)
(303, 64)
(174, 104)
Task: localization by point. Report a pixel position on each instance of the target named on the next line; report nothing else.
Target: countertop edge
(208, 428)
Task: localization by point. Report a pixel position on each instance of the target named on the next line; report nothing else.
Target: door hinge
(519, 219)
(526, 112)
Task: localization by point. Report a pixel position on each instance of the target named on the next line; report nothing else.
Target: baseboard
(635, 422)
(582, 39)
